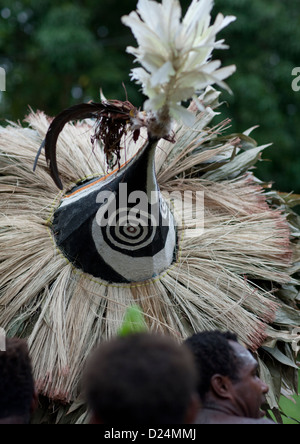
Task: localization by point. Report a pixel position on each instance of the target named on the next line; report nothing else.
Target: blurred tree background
(58, 53)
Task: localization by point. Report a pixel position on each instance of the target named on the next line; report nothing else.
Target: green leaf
(134, 322)
(287, 316)
(237, 166)
(269, 379)
(279, 356)
(291, 199)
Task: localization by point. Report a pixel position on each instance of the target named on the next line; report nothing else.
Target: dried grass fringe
(66, 313)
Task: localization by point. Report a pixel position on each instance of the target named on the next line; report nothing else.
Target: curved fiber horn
(76, 112)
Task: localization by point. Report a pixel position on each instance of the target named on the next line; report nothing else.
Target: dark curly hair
(213, 355)
(16, 380)
(140, 379)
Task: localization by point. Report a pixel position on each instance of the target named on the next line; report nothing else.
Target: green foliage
(264, 45)
(58, 53)
(133, 322)
(66, 48)
(291, 409)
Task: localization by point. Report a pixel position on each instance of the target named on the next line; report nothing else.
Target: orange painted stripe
(99, 180)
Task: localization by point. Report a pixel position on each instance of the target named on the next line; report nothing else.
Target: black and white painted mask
(118, 227)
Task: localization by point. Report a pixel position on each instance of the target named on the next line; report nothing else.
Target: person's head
(17, 392)
(228, 373)
(142, 378)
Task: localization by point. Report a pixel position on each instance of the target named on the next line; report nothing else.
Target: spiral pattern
(128, 229)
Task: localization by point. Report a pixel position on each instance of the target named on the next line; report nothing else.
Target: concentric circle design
(130, 229)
